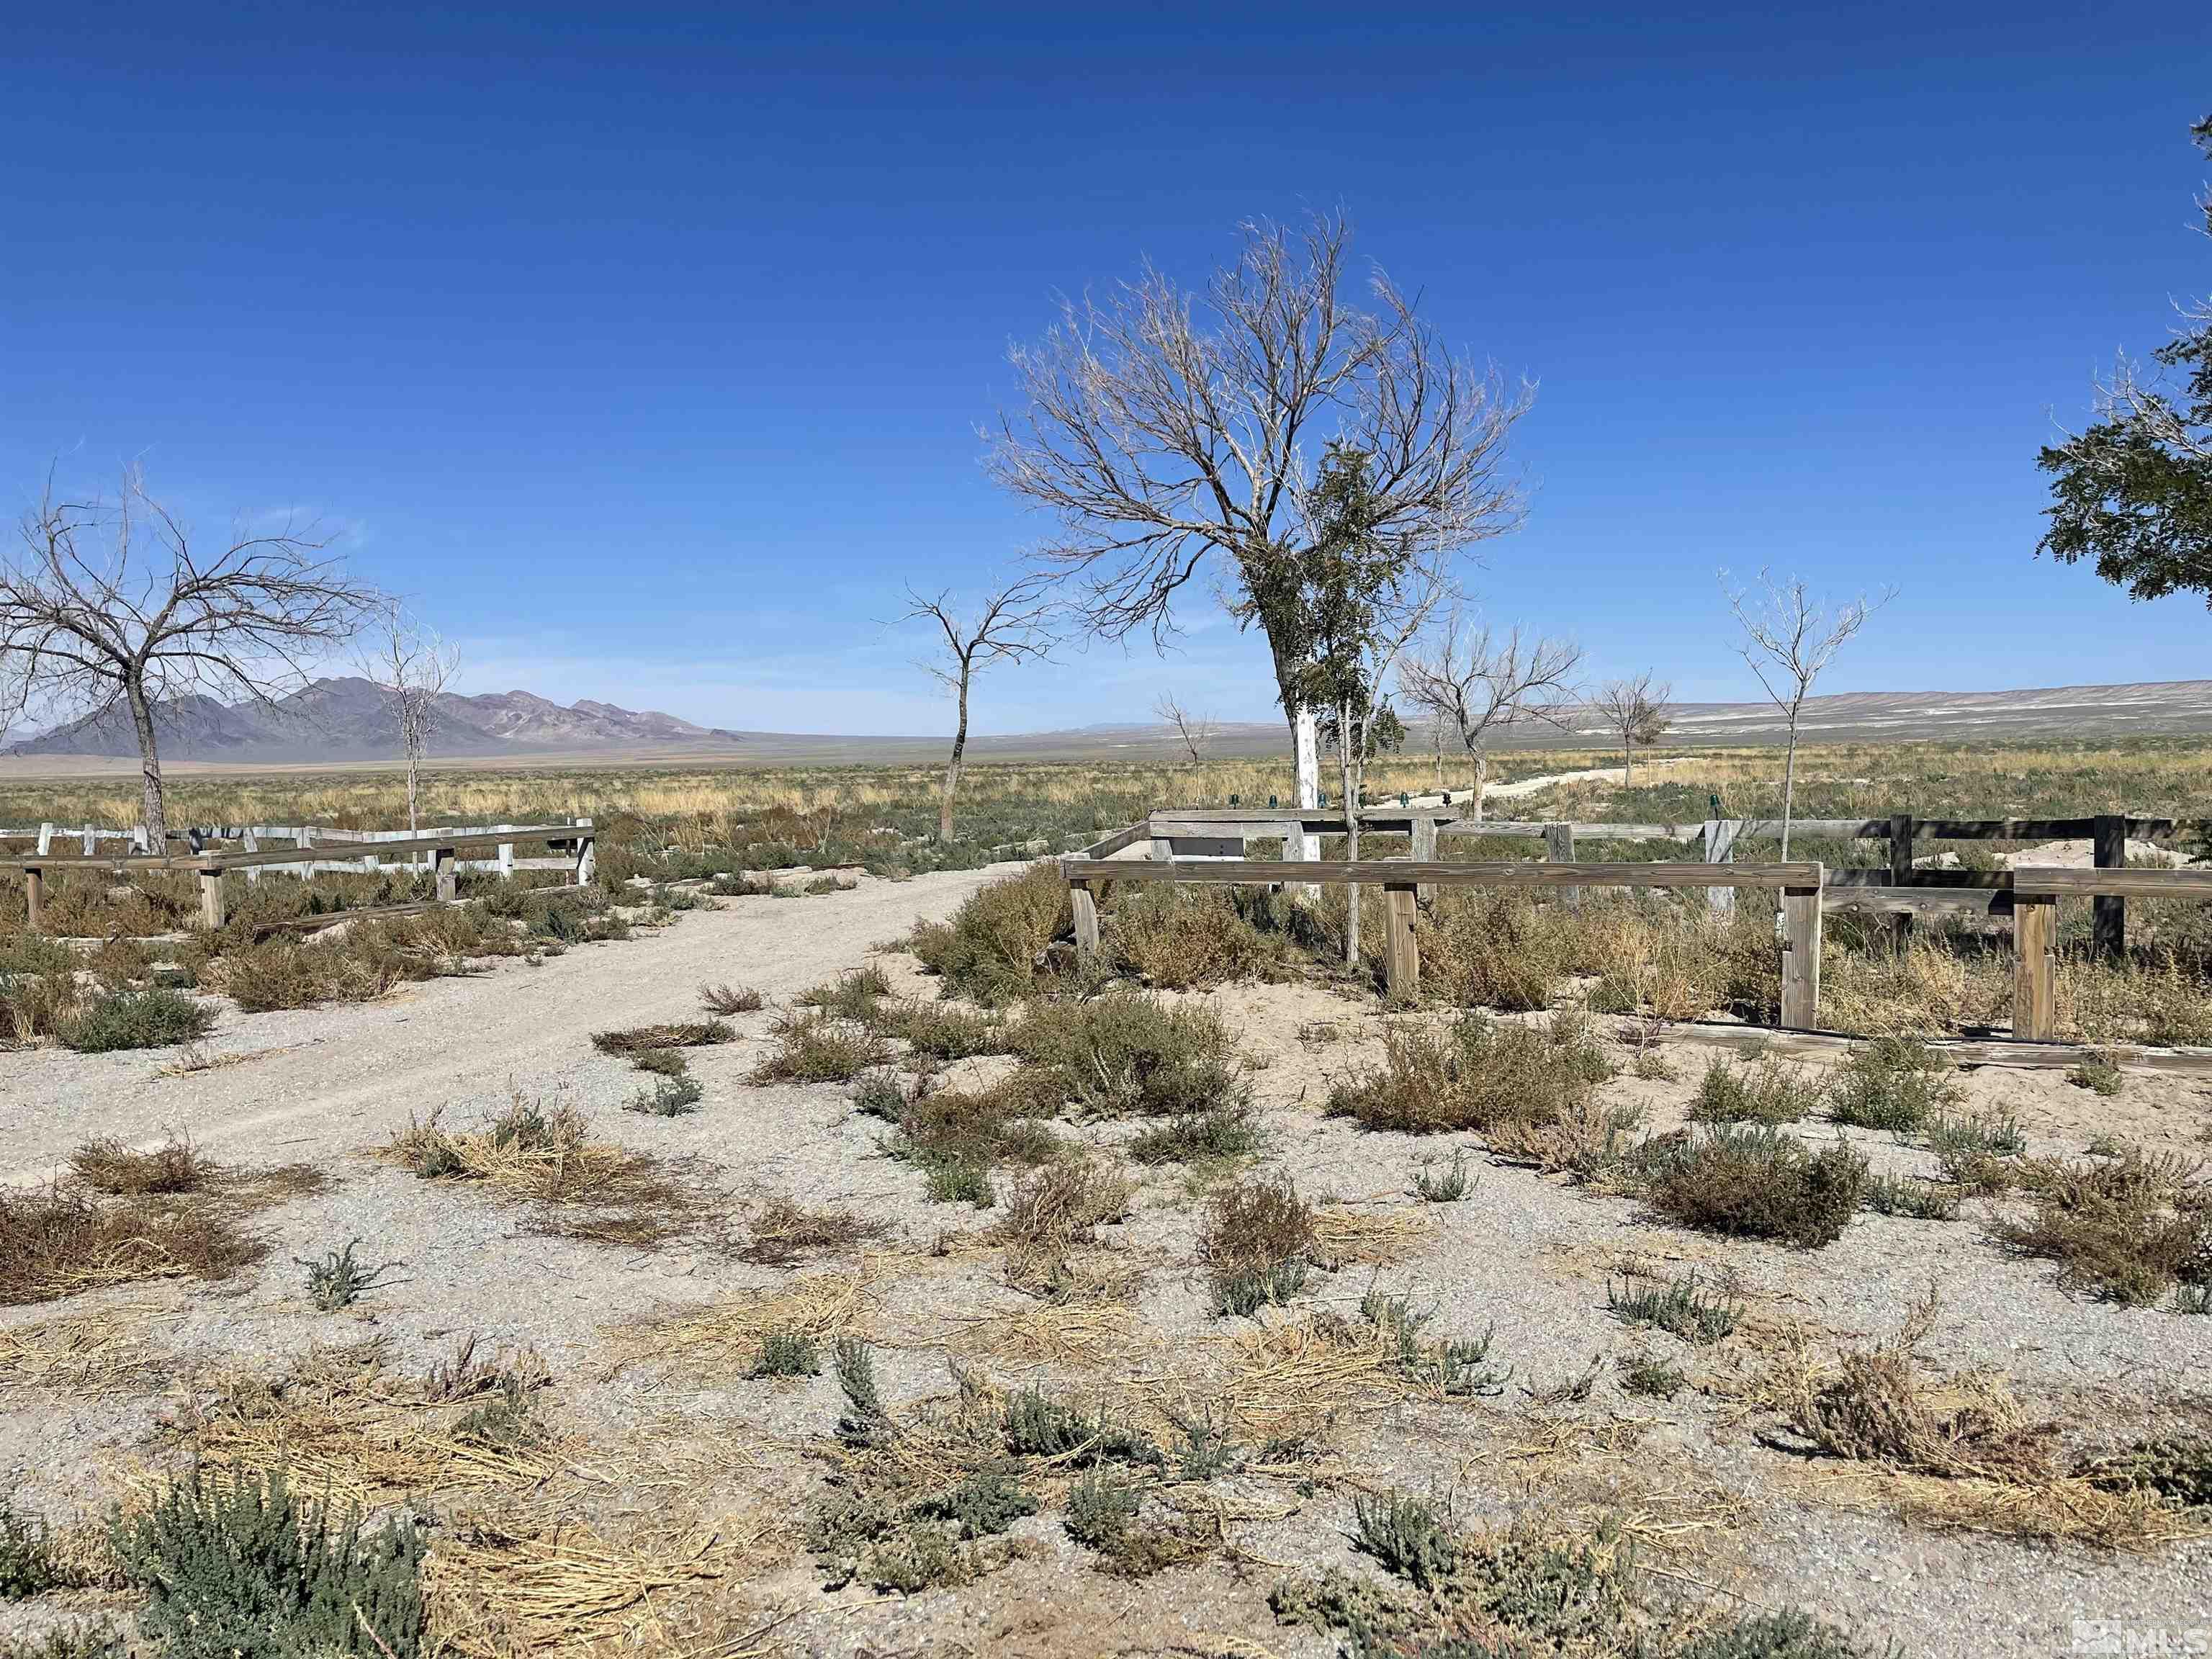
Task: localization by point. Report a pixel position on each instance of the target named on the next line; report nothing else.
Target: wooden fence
(570, 847)
(1208, 845)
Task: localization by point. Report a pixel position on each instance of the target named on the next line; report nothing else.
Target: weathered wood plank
(2129, 884)
(1084, 904)
(2034, 982)
(2109, 921)
(1801, 955)
(1963, 1051)
(1337, 873)
(211, 910)
(1119, 839)
(1917, 901)
(1404, 959)
(429, 842)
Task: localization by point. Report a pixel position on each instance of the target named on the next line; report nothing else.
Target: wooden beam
(34, 898)
(211, 910)
(1119, 839)
(1901, 869)
(1339, 872)
(1404, 951)
(2128, 883)
(1962, 1051)
(1720, 848)
(1559, 848)
(1084, 904)
(1801, 955)
(2109, 911)
(1917, 901)
(2034, 980)
(422, 843)
(441, 864)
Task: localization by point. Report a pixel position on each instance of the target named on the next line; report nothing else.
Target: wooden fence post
(45, 839)
(1559, 848)
(2034, 979)
(587, 857)
(1801, 955)
(1900, 868)
(250, 842)
(2109, 911)
(34, 898)
(441, 861)
(91, 842)
(1425, 852)
(1084, 904)
(212, 911)
(1720, 848)
(1404, 953)
(507, 857)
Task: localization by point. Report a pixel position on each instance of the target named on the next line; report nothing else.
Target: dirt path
(323, 1078)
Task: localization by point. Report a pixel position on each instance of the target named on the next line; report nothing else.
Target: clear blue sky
(646, 346)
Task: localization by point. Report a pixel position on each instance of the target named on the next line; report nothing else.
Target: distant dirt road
(329, 1077)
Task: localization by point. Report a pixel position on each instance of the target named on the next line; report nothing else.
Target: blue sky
(646, 348)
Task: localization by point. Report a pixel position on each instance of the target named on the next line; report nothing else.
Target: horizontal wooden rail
(430, 842)
(1917, 901)
(1119, 840)
(2116, 884)
(1382, 872)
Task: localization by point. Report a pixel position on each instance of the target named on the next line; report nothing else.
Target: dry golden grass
(581, 1188)
(87, 1354)
(726, 1336)
(344, 1424)
(1345, 1237)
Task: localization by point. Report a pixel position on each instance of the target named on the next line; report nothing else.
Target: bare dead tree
(1011, 625)
(1196, 731)
(107, 603)
(411, 665)
(1166, 425)
(1481, 686)
(1788, 638)
(1636, 711)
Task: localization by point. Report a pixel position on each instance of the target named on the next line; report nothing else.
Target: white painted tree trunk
(1306, 736)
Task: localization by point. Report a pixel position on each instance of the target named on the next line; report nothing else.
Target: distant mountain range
(350, 719)
(347, 720)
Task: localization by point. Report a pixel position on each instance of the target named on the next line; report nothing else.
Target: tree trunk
(952, 768)
(1305, 739)
(1627, 760)
(414, 787)
(150, 763)
(1348, 744)
(1788, 784)
(1482, 781)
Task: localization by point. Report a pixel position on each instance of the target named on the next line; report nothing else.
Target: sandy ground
(1728, 1515)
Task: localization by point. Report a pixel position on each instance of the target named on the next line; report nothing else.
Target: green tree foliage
(2134, 490)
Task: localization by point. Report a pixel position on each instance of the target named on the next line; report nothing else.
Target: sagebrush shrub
(1176, 938)
(1128, 1053)
(136, 1020)
(988, 952)
(1257, 1242)
(1763, 1091)
(1895, 1082)
(1477, 1073)
(1752, 1180)
(812, 1045)
(236, 1566)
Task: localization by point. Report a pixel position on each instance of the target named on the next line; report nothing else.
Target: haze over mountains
(348, 720)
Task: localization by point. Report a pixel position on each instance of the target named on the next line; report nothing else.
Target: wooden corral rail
(2029, 897)
(574, 842)
(1400, 880)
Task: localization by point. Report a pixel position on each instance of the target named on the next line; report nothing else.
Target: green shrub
(1766, 1092)
(1218, 1131)
(1257, 1244)
(1037, 1425)
(878, 1094)
(1478, 1073)
(670, 1096)
(2098, 1072)
(2178, 1470)
(1752, 1180)
(1895, 1082)
(1407, 1537)
(88, 1640)
(1127, 1053)
(987, 952)
(723, 1000)
(849, 996)
(680, 1034)
(1177, 938)
(1450, 1187)
(1788, 1634)
(27, 1566)
(865, 1420)
(787, 1352)
(1973, 1149)
(235, 1566)
(943, 1030)
(339, 1279)
(815, 1046)
(1101, 1510)
(1647, 1375)
(985, 1503)
(1679, 1308)
(136, 1019)
(1458, 1368)
(1494, 949)
(1921, 1201)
